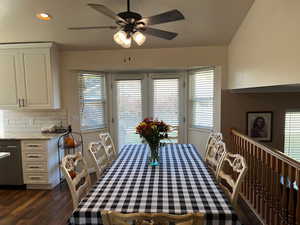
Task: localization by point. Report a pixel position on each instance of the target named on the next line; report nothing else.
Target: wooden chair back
(115, 218)
(215, 156)
(76, 173)
(213, 138)
(109, 145)
(99, 157)
(231, 174)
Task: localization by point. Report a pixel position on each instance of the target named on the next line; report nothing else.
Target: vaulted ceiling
(208, 22)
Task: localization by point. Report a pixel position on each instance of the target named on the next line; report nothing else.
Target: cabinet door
(9, 76)
(37, 75)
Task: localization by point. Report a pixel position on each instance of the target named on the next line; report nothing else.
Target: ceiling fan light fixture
(139, 38)
(43, 16)
(122, 39)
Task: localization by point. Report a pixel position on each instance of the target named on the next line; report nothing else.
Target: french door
(147, 95)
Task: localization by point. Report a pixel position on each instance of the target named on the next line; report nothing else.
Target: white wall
(266, 49)
(141, 59)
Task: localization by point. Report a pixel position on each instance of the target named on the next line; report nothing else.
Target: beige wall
(236, 105)
(266, 49)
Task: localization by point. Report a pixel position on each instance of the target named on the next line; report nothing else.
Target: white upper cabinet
(29, 76)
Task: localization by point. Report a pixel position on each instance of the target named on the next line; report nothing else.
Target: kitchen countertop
(28, 136)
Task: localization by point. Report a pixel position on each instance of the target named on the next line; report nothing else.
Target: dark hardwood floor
(36, 207)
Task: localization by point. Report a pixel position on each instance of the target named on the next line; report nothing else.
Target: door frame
(126, 76)
(147, 98)
(181, 76)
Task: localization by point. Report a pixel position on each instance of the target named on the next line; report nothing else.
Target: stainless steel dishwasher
(11, 167)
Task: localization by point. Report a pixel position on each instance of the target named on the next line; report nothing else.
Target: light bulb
(126, 43)
(43, 16)
(139, 38)
(121, 38)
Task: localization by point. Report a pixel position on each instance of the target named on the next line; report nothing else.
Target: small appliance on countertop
(54, 129)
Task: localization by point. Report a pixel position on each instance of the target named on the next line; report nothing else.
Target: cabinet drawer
(34, 157)
(36, 178)
(34, 146)
(30, 167)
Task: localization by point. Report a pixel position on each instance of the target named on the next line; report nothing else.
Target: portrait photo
(259, 125)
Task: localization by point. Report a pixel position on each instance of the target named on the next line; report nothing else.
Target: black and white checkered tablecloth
(180, 184)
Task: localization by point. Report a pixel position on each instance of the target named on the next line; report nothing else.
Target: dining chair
(213, 138)
(76, 173)
(99, 157)
(115, 218)
(231, 174)
(109, 146)
(215, 156)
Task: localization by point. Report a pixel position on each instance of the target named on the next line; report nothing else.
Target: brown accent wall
(234, 107)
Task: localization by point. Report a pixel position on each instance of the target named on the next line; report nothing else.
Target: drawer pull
(33, 156)
(35, 177)
(34, 167)
(11, 146)
(33, 145)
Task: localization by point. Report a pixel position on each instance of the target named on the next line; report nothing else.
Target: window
(202, 98)
(292, 134)
(92, 101)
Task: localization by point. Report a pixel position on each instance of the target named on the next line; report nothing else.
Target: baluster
(278, 189)
(258, 187)
(291, 199)
(298, 198)
(263, 185)
(284, 202)
(273, 191)
(255, 177)
(268, 187)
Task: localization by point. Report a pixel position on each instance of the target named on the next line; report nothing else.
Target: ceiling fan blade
(106, 11)
(93, 28)
(165, 17)
(160, 33)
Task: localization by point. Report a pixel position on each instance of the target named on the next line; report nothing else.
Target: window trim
(214, 100)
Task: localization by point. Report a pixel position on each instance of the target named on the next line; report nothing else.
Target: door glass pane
(166, 103)
(129, 106)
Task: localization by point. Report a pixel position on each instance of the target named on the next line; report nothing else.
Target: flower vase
(154, 155)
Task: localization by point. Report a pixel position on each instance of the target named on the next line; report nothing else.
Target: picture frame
(260, 125)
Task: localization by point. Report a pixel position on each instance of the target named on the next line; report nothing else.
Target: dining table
(180, 184)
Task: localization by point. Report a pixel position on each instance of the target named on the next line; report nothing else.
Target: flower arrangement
(152, 131)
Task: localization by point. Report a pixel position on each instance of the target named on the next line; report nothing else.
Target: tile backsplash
(31, 121)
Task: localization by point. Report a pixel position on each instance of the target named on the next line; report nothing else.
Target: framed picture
(259, 125)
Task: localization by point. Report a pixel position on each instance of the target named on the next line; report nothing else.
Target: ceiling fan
(133, 26)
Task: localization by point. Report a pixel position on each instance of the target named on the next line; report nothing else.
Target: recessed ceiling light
(43, 16)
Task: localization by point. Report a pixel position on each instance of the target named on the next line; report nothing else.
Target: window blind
(129, 104)
(166, 100)
(92, 101)
(202, 84)
(292, 135)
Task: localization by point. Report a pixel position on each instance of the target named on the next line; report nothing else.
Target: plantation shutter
(292, 135)
(92, 101)
(166, 100)
(202, 94)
